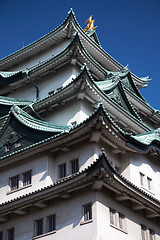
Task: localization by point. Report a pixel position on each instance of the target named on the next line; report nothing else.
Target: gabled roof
(21, 126)
(115, 92)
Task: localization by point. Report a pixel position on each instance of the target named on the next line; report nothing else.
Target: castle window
(38, 227)
(75, 166)
(26, 178)
(62, 170)
(14, 182)
(87, 212)
(51, 223)
(10, 234)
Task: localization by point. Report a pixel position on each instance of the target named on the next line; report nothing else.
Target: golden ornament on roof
(90, 24)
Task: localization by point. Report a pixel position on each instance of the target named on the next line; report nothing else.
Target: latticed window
(26, 178)
(14, 182)
(38, 227)
(10, 234)
(87, 212)
(75, 166)
(51, 223)
(62, 170)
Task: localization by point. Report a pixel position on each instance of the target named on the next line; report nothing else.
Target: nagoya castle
(79, 145)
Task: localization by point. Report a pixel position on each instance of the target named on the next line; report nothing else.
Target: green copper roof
(107, 84)
(148, 137)
(33, 123)
(16, 101)
(4, 74)
(11, 77)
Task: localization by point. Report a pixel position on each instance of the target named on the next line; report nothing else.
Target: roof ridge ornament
(90, 25)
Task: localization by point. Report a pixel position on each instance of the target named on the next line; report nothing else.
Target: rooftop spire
(90, 24)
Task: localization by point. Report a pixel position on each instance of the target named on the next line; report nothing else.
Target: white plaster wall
(76, 110)
(45, 168)
(39, 167)
(42, 56)
(62, 78)
(51, 82)
(86, 153)
(133, 220)
(28, 94)
(150, 167)
(68, 220)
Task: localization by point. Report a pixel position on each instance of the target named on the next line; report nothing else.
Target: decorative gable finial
(90, 24)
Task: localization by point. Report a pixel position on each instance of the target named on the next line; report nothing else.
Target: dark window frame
(10, 234)
(62, 170)
(14, 182)
(87, 212)
(38, 227)
(51, 223)
(26, 178)
(74, 166)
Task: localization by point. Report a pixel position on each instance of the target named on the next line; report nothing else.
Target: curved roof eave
(16, 101)
(146, 141)
(99, 111)
(36, 124)
(29, 121)
(124, 182)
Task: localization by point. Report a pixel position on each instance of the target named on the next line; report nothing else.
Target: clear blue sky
(129, 30)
